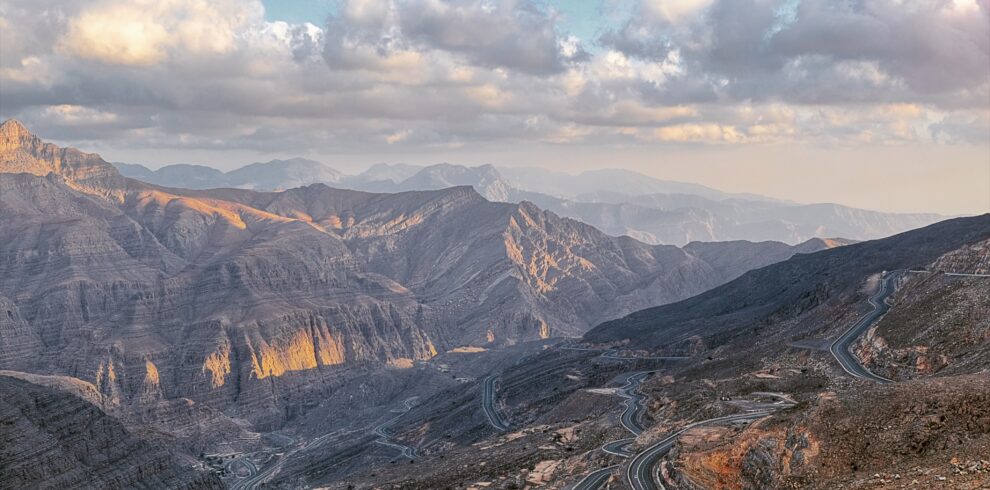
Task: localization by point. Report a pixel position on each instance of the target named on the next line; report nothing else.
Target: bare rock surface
(939, 325)
(51, 439)
(859, 437)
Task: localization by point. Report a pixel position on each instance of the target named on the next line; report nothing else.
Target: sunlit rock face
(225, 296)
(22, 152)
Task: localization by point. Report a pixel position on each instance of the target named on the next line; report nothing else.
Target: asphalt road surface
(841, 347)
(630, 421)
(640, 471)
(619, 447)
(382, 430)
(488, 405)
(633, 403)
(595, 479)
(242, 461)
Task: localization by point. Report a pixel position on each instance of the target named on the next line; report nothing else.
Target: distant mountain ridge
(618, 202)
(620, 182)
(271, 175)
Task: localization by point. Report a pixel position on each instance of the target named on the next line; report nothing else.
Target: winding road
(384, 437)
(242, 461)
(630, 421)
(841, 347)
(257, 477)
(488, 405)
(639, 472)
(596, 478)
(619, 447)
(634, 402)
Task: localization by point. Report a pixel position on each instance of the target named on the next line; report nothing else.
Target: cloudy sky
(882, 104)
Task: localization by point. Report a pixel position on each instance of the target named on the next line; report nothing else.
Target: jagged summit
(486, 179)
(13, 128)
(14, 136)
(23, 152)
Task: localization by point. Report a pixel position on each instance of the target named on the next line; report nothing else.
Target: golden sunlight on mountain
(218, 365)
(150, 374)
(232, 213)
(297, 354)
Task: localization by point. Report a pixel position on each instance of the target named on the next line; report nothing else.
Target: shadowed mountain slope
(788, 288)
(51, 439)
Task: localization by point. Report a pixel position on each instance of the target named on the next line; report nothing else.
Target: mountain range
(618, 202)
(154, 335)
(756, 347)
(271, 175)
(230, 296)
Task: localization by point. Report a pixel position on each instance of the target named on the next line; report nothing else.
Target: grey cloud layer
(439, 73)
(818, 51)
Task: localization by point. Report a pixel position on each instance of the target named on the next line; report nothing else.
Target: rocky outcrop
(53, 439)
(853, 438)
(972, 259)
(757, 458)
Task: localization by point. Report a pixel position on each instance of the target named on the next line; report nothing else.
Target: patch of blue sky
(299, 11)
(584, 19)
(783, 16)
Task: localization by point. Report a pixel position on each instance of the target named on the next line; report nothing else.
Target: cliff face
(243, 301)
(52, 439)
(23, 152)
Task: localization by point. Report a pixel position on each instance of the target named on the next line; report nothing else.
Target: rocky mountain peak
(13, 136)
(23, 152)
(12, 128)
(18, 149)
